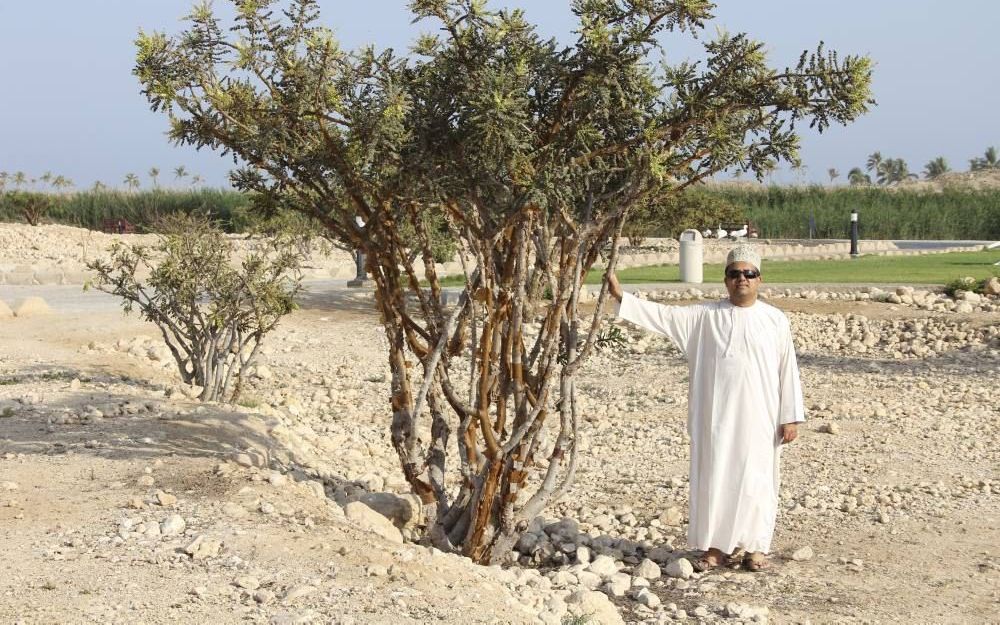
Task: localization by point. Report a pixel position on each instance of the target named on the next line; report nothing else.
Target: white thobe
(744, 382)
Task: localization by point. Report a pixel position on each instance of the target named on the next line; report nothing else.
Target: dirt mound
(982, 180)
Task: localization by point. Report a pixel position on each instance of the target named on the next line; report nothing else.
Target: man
(744, 402)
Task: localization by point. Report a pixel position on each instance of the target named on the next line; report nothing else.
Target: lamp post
(360, 277)
(854, 233)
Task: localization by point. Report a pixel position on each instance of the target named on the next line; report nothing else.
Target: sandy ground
(96, 449)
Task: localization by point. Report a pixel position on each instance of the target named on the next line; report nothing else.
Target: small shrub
(250, 402)
(32, 206)
(671, 216)
(611, 338)
(968, 283)
(213, 312)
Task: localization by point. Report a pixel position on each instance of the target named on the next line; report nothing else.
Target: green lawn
(916, 269)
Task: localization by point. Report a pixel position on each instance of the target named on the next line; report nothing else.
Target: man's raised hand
(613, 286)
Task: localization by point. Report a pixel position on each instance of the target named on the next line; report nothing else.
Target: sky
(69, 104)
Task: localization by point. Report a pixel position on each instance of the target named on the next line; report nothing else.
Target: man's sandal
(755, 562)
(708, 561)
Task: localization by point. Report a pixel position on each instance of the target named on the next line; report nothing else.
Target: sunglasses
(749, 274)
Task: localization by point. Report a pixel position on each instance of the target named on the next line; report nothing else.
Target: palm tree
(893, 171)
(132, 181)
(61, 182)
(196, 180)
(98, 186)
(4, 176)
(856, 177)
(19, 179)
(180, 172)
(154, 173)
(800, 172)
(988, 161)
(833, 173)
(935, 168)
(874, 162)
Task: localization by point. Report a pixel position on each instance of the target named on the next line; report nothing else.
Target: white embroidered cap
(743, 253)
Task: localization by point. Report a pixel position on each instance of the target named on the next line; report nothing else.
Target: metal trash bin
(691, 256)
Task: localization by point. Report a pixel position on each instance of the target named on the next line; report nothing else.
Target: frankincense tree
(212, 308)
(532, 153)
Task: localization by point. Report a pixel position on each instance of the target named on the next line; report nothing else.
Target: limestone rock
(680, 568)
(647, 569)
(247, 582)
(647, 598)
(5, 311)
(263, 596)
(403, 511)
(165, 499)
(588, 579)
(201, 548)
(294, 618)
(372, 521)
(671, 516)
(596, 605)
(662, 554)
(992, 286)
(802, 554)
(297, 592)
(618, 584)
(173, 524)
(603, 565)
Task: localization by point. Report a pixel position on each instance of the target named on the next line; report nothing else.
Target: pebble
(247, 582)
(233, 510)
(295, 618)
(172, 525)
(263, 596)
(618, 584)
(647, 598)
(802, 554)
(165, 499)
(201, 548)
(297, 592)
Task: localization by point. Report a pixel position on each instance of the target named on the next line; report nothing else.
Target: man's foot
(755, 562)
(711, 559)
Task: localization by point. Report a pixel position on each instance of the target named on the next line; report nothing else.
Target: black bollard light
(854, 233)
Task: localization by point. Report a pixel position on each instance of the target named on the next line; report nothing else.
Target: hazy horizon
(73, 108)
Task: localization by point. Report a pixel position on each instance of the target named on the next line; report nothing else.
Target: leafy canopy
(486, 111)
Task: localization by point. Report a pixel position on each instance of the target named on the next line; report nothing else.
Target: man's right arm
(672, 321)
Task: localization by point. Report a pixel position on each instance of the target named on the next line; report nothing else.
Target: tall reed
(88, 209)
(785, 212)
(777, 211)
